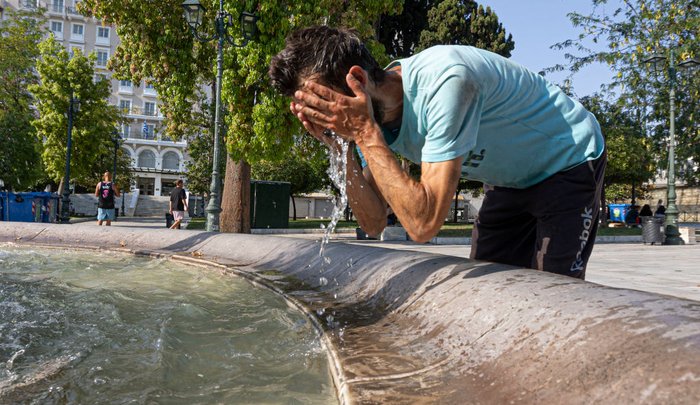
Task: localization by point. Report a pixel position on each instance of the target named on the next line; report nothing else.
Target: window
(147, 159)
(31, 4)
(77, 33)
(126, 131)
(171, 161)
(127, 153)
(149, 108)
(149, 131)
(57, 6)
(125, 106)
(57, 28)
(103, 32)
(102, 57)
(103, 35)
(125, 85)
(149, 90)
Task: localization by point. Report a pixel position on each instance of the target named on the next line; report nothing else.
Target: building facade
(157, 161)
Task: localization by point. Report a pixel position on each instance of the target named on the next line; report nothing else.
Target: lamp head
(689, 66)
(657, 63)
(193, 12)
(75, 104)
(249, 25)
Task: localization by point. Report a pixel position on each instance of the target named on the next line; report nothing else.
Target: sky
(538, 24)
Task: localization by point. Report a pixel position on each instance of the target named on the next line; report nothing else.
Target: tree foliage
(156, 43)
(400, 33)
(60, 77)
(20, 158)
(631, 33)
(199, 148)
(630, 151)
(465, 22)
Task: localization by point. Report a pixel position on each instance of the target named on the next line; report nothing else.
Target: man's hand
(319, 107)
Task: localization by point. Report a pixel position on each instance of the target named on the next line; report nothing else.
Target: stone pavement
(670, 270)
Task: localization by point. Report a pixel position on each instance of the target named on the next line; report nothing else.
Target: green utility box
(269, 204)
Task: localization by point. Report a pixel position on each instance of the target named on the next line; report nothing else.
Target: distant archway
(147, 159)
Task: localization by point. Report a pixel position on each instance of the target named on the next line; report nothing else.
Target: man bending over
(458, 111)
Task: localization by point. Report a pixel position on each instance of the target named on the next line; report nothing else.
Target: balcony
(150, 91)
(29, 4)
(126, 89)
(56, 8)
(140, 112)
(72, 10)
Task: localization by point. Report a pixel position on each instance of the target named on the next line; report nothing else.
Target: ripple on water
(77, 326)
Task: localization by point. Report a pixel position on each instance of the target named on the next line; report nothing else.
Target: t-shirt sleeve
(183, 194)
(453, 110)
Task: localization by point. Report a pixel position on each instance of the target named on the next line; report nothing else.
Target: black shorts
(550, 226)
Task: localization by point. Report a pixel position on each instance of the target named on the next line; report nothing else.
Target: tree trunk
(294, 206)
(235, 197)
(634, 194)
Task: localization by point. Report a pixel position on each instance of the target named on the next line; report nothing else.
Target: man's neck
(390, 92)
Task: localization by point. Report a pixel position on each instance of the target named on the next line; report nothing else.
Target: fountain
(425, 328)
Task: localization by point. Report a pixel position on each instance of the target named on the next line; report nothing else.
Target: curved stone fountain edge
(409, 327)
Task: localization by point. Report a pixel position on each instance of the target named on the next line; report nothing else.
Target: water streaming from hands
(337, 171)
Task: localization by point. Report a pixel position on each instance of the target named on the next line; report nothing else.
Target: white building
(157, 161)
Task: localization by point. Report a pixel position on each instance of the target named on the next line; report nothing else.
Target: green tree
(630, 153)
(199, 148)
(400, 33)
(305, 169)
(20, 162)
(156, 43)
(630, 34)
(465, 22)
(60, 77)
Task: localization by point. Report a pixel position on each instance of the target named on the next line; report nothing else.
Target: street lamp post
(115, 139)
(73, 107)
(658, 63)
(194, 12)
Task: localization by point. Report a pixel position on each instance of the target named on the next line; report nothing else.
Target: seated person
(632, 217)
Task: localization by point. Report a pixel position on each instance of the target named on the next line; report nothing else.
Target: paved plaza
(670, 270)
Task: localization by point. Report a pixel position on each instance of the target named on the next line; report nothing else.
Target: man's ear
(360, 75)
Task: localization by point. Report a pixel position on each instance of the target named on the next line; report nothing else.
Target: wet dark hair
(321, 51)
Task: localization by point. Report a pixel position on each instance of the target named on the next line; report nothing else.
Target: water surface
(102, 327)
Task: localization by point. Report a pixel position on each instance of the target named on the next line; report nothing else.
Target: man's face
(107, 176)
(377, 105)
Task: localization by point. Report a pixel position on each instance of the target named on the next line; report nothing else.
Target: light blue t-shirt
(513, 128)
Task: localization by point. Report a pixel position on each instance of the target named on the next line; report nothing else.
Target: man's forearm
(367, 205)
(418, 206)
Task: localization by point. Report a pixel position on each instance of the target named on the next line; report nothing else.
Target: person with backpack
(105, 191)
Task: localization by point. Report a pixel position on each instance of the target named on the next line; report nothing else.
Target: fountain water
(86, 327)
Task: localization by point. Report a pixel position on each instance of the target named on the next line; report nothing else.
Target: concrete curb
(425, 328)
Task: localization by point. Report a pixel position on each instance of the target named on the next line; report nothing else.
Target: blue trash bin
(28, 207)
(618, 212)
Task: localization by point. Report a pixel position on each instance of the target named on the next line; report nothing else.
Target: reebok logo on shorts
(587, 216)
